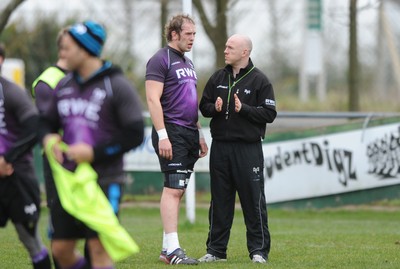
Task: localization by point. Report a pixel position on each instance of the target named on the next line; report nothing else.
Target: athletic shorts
(50, 186)
(65, 226)
(185, 148)
(19, 198)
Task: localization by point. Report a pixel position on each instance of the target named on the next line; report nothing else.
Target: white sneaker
(211, 258)
(258, 259)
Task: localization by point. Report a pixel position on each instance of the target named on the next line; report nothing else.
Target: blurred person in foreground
(42, 90)
(100, 115)
(240, 101)
(19, 187)
(172, 101)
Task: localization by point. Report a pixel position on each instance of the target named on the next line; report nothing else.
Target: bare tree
(278, 15)
(353, 75)
(127, 23)
(217, 32)
(6, 13)
(164, 15)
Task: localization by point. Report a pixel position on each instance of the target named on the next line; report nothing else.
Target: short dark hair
(175, 24)
(2, 51)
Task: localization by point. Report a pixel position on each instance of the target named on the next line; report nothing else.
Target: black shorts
(185, 148)
(19, 198)
(65, 226)
(50, 186)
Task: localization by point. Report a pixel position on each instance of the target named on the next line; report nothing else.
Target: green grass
(362, 237)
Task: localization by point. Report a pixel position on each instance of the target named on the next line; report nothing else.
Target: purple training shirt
(179, 97)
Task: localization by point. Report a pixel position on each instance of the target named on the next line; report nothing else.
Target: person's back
(19, 187)
(42, 90)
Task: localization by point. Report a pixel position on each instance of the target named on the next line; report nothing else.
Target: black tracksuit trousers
(237, 166)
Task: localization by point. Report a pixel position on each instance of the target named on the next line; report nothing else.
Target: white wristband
(162, 134)
(201, 135)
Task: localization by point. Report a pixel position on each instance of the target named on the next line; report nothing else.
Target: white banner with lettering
(314, 166)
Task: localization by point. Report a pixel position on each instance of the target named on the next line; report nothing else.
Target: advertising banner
(314, 166)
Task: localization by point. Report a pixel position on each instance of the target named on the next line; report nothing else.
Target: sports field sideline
(357, 237)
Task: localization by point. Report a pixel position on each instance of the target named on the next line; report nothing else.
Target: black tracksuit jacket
(258, 104)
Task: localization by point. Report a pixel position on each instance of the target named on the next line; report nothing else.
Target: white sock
(172, 242)
(164, 242)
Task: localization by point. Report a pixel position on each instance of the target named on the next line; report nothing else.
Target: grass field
(330, 238)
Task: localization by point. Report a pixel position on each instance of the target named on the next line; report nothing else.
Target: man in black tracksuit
(240, 100)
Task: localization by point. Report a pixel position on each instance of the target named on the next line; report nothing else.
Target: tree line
(36, 45)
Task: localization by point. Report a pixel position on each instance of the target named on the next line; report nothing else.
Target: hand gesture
(238, 104)
(218, 104)
(56, 148)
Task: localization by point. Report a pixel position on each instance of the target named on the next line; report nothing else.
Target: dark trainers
(163, 257)
(179, 257)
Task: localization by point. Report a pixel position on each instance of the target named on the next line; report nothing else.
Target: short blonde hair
(60, 35)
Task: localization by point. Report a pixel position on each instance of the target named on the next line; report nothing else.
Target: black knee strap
(176, 179)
